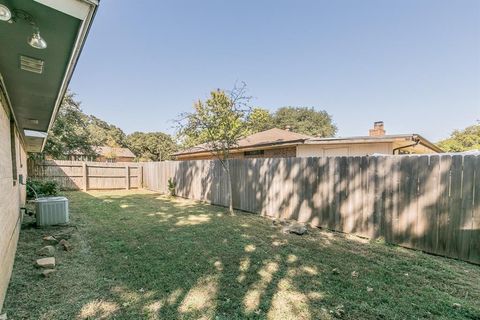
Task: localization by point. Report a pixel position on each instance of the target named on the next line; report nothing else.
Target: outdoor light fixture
(5, 13)
(35, 40)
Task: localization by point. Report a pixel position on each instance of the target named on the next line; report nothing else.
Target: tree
(69, 133)
(305, 120)
(219, 123)
(259, 120)
(75, 132)
(104, 134)
(462, 140)
(151, 146)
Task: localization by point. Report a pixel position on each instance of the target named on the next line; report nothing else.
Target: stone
(339, 311)
(50, 240)
(46, 263)
(354, 274)
(48, 272)
(3, 316)
(64, 234)
(296, 228)
(46, 251)
(369, 289)
(65, 245)
(457, 305)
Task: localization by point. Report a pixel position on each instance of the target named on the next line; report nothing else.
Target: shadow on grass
(142, 255)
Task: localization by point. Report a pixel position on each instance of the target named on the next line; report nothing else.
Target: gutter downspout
(417, 141)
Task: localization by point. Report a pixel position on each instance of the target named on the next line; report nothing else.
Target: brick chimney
(378, 129)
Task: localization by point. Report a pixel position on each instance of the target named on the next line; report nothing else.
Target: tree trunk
(230, 189)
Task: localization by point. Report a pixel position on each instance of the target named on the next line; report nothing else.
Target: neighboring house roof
(270, 137)
(277, 136)
(117, 152)
(374, 139)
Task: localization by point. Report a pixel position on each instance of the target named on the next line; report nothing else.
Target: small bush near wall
(41, 188)
(171, 186)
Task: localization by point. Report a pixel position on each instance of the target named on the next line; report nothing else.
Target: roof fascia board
(353, 141)
(75, 8)
(429, 144)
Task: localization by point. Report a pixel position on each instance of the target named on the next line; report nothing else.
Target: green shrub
(171, 186)
(41, 188)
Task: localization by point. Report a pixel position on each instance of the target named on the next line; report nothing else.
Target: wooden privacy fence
(79, 175)
(429, 203)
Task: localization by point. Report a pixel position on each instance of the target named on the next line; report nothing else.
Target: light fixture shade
(36, 41)
(5, 13)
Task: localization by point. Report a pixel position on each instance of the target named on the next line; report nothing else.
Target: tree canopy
(76, 132)
(260, 120)
(104, 134)
(69, 133)
(151, 146)
(305, 120)
(462, 140)
(299, 119)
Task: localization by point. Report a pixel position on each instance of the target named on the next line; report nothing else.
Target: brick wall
(12, 197)
(282, 152)
(286, 152)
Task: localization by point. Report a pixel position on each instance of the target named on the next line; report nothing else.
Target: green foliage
(151, 146)
(69, 134)
(305, 120)
(300, 119)
(75, 132)
(218, 123)
(260, 120)
(171, 186)
(105, 134)
(41, 188)
(462, 140)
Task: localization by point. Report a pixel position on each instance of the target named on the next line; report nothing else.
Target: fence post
(85, 177)
(140, 170)
(127, 177)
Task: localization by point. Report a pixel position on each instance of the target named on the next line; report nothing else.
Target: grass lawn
(139, 255)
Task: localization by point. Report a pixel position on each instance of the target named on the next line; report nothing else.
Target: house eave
(79, 43)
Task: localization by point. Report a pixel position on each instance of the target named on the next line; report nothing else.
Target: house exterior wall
(281, 152)
(12, 197)
(286, 152)
(357, 149)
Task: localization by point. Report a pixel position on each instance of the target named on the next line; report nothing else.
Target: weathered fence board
(424, 202)
(79, 175)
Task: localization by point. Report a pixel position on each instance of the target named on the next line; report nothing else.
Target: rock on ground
(50, 240)
(64, 234)
(65, 245)
(296, 228)
(46, 251)
(46, 263)
(48, 272)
